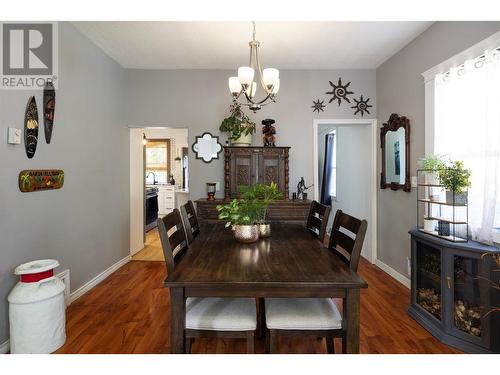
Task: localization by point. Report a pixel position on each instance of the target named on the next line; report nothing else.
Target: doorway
(159, 183)
(345, 165)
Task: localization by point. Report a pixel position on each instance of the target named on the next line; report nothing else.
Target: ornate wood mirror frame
(393, 125)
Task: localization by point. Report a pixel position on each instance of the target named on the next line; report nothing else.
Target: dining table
(291, 263)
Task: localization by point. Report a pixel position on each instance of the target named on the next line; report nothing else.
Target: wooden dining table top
(291, 257)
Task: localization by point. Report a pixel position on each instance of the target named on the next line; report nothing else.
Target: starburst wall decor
(361, 106)
(339, 91)
(318, 106)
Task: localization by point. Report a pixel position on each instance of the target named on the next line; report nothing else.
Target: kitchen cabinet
(166, 199)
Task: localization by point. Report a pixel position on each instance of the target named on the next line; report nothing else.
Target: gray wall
(200, 99)
(85, 225)
(400, 89)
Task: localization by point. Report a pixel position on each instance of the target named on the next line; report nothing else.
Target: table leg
(350, 343)
(177, 320)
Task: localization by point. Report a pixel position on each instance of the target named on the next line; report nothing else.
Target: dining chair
(317, 317)
(190, 220)
(206, 317)
(318, 219)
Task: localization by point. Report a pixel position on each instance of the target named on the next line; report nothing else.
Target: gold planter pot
(265, 230)
(246, 233)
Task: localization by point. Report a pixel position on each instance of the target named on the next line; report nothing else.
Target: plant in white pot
(455, 179)
(238, 126)
(431, 165)
(241, 215)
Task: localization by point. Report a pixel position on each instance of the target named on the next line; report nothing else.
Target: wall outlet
(409, 265)
(217, 186)
(414, 181)
(14, 136)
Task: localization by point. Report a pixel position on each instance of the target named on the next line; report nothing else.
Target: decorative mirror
(395, 143)
(207, 147)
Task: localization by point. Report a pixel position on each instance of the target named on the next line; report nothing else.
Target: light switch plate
(413, 181)
(14, 136)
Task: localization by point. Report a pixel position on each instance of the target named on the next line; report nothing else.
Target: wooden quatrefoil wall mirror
(207, 147)
(395, 143)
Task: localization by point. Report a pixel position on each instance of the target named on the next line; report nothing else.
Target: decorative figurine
(269, 131)
(301, 189)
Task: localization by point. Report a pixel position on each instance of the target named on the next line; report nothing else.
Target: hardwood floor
(129, 313)
(152, 248)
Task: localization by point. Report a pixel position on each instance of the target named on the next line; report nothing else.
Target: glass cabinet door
(467, 307)
(428, 293)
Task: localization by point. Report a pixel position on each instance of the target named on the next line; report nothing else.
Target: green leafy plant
(455, 177)
(262, 195)
(239, 212)
(237, 124)
(433, 162)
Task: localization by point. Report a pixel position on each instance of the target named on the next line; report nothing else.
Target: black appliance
(151, 208)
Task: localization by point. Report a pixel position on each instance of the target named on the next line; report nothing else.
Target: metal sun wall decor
(318, 106)
(31, 127)
(49, 106)
(268, 131)
(361, 106)
(40, 179)
(339, 92)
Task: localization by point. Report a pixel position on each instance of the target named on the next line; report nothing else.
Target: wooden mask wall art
(31, 127)
(49, 106)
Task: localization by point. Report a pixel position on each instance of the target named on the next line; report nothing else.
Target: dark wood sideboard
(285, 210)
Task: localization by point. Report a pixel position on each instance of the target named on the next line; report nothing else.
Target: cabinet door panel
(243, 174)
(272, 169)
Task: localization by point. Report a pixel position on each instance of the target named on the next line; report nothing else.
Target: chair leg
(273, 337)
(250, 342)
(189, 341)
(330, 345)
(261, 318)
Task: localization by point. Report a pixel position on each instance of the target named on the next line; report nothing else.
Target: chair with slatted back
(190, 221)
(206, 317)
(317, 317)
(318, 219)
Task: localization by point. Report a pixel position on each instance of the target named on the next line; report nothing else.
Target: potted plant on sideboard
(431, 164)
(455, 179)
(238, 126)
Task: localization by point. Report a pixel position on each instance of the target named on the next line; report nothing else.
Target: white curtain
(467, 127)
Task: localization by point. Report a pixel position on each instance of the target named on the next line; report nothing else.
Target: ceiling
(224, 45)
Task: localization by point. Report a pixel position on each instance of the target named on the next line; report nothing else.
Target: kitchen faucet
(154, 177)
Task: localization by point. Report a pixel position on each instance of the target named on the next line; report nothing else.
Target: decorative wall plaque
(49, 106)
(40, 179)
(31, 127)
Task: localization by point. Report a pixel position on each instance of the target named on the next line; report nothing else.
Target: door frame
(373, 175)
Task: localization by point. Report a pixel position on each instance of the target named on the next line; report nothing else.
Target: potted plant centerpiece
(238, 126)
(241, 215)
(263, 195)
(455, 179)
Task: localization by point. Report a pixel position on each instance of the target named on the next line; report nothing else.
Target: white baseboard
(96, 280)
(393, 273)
(5, 347)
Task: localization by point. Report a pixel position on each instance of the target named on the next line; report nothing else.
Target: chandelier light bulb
(245, 75)
(234, 85)
(276, 87)
(251, 90)
(270, 76)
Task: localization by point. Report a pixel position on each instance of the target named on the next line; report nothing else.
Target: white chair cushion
(221, 314)
(302, 313)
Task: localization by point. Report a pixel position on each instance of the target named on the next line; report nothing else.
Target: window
(467, 127)
(157, 160)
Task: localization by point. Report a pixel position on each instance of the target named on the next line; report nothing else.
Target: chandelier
(245, 85)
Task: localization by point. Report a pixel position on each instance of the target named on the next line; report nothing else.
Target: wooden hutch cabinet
(246, 166)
